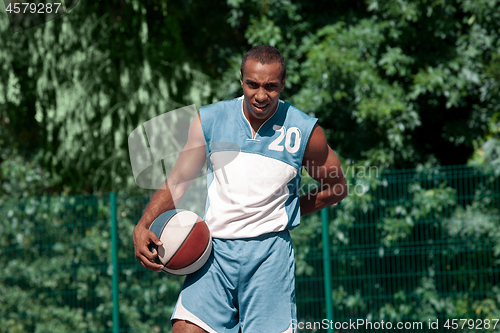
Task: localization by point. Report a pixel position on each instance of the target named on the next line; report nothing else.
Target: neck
(256, 123)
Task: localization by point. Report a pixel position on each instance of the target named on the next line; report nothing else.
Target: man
(248, 282)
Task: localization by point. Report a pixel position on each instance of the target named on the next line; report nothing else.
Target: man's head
(262, 78)
(265, 54)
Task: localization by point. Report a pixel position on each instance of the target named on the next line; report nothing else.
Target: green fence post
(114, 262)
(327, 270)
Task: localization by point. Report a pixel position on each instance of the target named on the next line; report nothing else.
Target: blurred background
(408, 93)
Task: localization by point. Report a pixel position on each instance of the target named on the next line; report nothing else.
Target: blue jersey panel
(253, 181)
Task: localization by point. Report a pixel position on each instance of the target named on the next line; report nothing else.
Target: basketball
(186, 239)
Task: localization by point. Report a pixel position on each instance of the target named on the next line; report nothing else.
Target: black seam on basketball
(180, 247)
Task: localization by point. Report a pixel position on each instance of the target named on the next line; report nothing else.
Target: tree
(395, 84)
(77, 86)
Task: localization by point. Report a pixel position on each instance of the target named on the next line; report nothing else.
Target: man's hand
(142, 238)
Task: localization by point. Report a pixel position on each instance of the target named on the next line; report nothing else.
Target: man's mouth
(260, 107)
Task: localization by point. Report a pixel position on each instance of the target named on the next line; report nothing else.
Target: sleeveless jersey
(253, 183)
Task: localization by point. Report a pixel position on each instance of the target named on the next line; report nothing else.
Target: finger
(148, 249)
(156, 270)
(150, 265)
(146, 252)
(151, 269)
(154, 239)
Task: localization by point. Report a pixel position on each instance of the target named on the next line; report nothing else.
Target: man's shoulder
(222, 105)
(219, 115)
(296, 112)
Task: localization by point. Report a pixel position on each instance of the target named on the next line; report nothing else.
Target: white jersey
(253, 183)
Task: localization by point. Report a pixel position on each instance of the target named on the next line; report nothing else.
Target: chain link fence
(412, 246)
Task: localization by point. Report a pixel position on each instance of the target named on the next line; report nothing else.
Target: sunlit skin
(262, 85)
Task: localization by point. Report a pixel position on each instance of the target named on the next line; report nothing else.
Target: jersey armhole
(303, 148)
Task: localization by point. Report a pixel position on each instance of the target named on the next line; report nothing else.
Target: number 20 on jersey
(292, 138)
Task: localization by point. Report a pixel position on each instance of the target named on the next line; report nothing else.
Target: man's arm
(322, 165)
(188, 165)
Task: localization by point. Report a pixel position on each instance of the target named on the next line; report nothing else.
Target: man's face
(262, 86)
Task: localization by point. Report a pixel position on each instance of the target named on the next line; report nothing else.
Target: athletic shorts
(246, 283)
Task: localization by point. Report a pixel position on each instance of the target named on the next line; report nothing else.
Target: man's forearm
(163, 200)
(329, 195)
(159, 204)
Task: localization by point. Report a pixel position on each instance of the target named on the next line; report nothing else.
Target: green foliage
(80, 84)
(56, 275)
(395, 80)
(21, 176)
(395, 84)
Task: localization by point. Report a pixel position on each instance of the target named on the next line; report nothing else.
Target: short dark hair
(265, 54)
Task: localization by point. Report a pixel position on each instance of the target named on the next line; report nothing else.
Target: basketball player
(248, 282)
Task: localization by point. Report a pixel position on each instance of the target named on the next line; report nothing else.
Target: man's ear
(241, 79)
(283, 81)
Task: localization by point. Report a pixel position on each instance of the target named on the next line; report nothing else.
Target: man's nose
(261, 95)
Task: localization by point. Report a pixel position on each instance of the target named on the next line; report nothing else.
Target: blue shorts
(247, 283)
